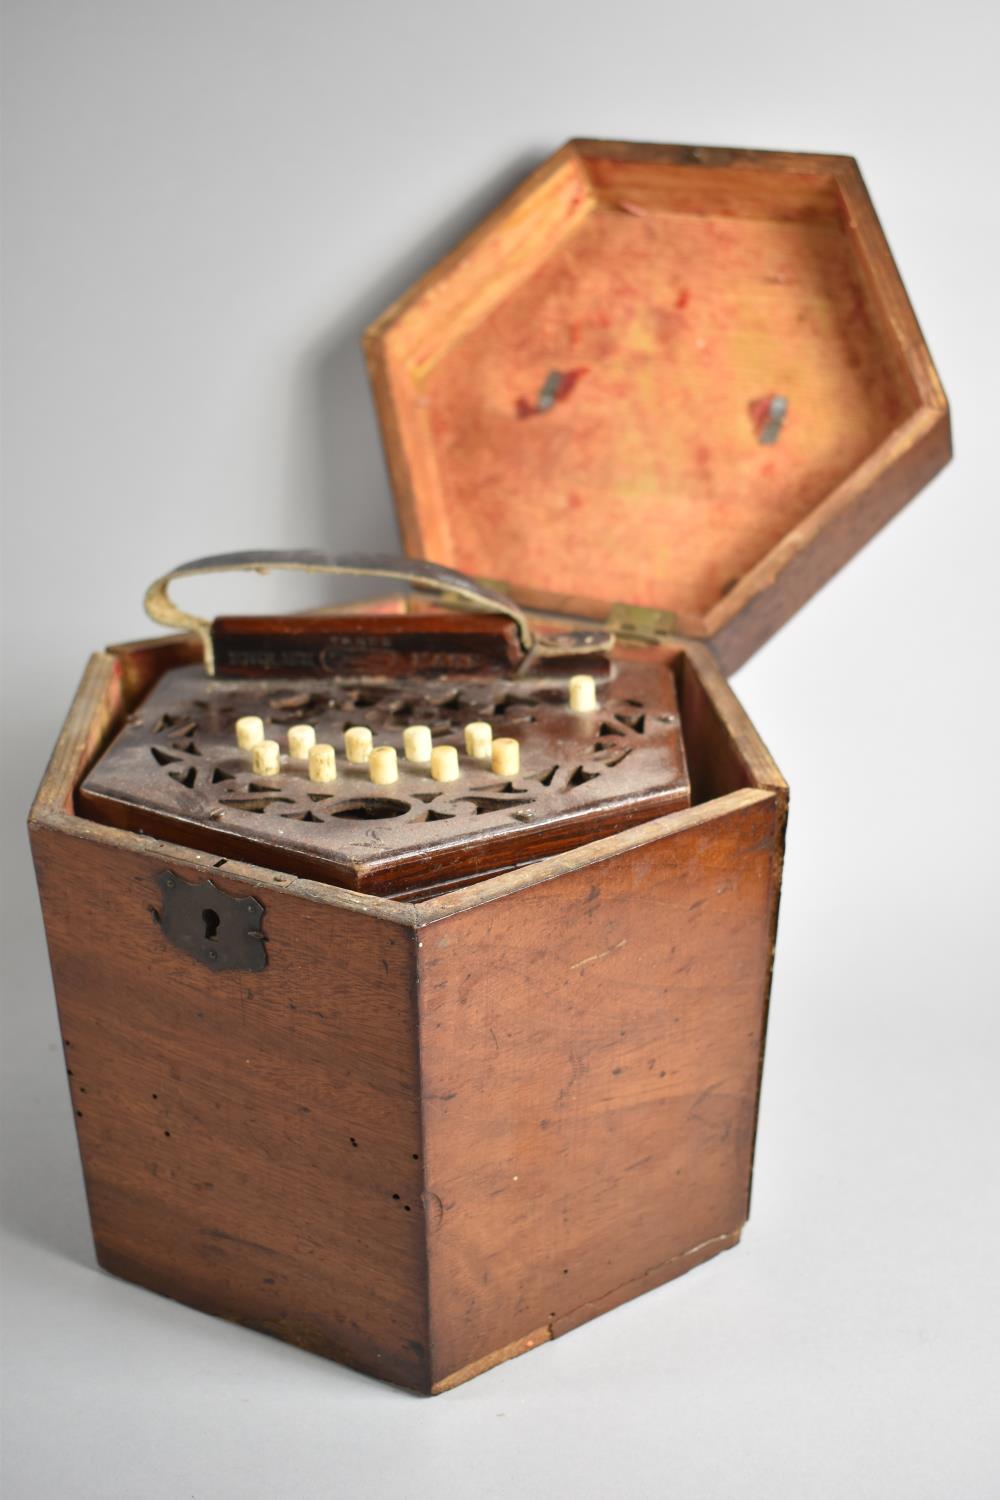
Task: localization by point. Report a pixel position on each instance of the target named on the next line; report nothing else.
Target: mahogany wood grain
(589, 1108)
(251, 1142)
(255, 646)
(218, 1113)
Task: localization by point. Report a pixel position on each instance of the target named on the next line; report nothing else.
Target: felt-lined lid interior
(644, 374)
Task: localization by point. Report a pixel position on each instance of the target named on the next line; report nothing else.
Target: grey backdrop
(205, 202)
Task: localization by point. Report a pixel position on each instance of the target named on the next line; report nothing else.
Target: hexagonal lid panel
(662, 376)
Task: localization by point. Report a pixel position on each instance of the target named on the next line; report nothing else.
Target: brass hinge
(637, 622)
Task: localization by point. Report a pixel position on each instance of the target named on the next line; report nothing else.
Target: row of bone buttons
(503, 753)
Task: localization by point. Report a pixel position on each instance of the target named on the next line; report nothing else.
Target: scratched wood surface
(250, 1141)
(589, 1106)
(325, 1150)
(700, 366)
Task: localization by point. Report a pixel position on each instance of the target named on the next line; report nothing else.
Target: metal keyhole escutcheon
(219, 930)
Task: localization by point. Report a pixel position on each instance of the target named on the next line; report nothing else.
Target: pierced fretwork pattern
(177, 760)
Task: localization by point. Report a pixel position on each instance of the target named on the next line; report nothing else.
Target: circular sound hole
(367, 809)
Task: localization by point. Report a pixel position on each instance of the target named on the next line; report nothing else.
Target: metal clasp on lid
(638, 622)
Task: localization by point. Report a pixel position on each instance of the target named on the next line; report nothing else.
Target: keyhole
(211, 921)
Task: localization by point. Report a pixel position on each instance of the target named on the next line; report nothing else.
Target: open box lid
(681, 379)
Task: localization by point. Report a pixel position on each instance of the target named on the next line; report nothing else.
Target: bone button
(322, 763)
(249, 731)
(301, 738)
(582, 694)
(358, 744)
(444, 763)
(382, 766)
(266, 758)
(478, 741)
(506, 757)
(417, 744)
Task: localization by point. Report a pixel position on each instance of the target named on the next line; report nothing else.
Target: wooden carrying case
(667, 387)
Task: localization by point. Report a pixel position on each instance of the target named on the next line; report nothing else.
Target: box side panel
(250, 1140)
(590, 1052)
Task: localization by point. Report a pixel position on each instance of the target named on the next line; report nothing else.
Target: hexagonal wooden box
(430, 1134)
(675, 386)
